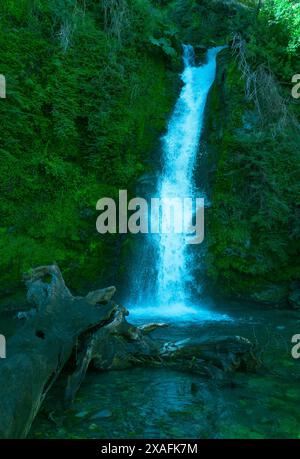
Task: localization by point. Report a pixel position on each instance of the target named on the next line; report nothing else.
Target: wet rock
(81, 414)
(272, 294)
(102, 414)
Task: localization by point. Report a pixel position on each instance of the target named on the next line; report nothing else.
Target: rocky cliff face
(251, 245)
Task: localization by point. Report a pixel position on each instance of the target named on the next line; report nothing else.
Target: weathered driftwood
(39, 351)
(119, 345)
(92, 330)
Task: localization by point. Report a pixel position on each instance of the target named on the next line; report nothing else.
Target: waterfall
(164, 289)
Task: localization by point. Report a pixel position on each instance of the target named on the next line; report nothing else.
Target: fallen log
(39, 351)
(120, 345)
(92, 330)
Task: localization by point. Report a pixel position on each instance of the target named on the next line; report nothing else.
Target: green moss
(82, 115)
(252, 228)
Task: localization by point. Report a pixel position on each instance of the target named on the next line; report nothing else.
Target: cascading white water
(180, 147)
(169, 294)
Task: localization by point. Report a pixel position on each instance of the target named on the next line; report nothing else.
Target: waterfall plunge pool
(181, 313)
(161, 403)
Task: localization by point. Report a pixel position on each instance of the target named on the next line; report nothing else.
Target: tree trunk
(97, 329)
(39, 351)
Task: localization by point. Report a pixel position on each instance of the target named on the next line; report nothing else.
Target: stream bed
(161, 403)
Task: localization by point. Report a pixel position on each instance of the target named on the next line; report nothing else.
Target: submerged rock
(102, 414)
(81, 414)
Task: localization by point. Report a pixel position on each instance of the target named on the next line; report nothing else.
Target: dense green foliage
(88, 92)
(89, 87)
(254, 224)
